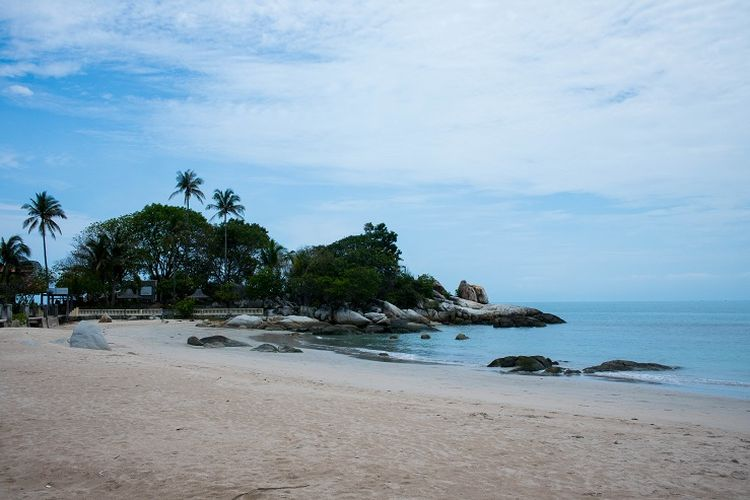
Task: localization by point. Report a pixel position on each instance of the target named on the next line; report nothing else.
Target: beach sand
(154, 418)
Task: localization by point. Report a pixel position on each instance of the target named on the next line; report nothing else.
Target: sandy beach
(155, 418)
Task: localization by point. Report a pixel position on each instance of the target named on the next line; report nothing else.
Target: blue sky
(585, 151)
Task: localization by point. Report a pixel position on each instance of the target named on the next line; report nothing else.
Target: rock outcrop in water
(384, 317)
(623, 365)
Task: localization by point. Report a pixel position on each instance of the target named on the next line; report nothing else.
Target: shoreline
(155, 416)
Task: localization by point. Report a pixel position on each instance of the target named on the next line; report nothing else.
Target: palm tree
(105, 255)
(42, 211)
(188, 183)
(273, 255)
(13, 253)
(225, 203)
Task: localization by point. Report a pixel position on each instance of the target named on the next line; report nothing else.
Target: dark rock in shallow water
(569, 372)
(553, 370)
(518, 320)
(384, 354)
(393, 337)
(461, 336)
(425, 336)
(287, 348)
(266, 348)
(550, 319)
(326, 329)
(522, 363)
(195, 341)
(221, 341)
(623, 365)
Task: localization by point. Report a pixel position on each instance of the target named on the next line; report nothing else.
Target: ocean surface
(709, 341)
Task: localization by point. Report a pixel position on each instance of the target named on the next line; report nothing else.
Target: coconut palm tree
(188, 183)
(43, 209)
(226, 203)
(13, 253)
(273, 255)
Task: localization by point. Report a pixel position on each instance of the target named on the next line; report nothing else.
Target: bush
(184, 308)
(20, 317)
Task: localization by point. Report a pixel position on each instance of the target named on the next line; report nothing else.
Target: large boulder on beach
(475, 293)
(245, 321)
(623, 365)
(221, 341)
(88, 335)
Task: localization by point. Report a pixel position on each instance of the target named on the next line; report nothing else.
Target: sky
(550, 151)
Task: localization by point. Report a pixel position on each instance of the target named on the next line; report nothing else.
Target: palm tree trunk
(46, 277)
(226, 267)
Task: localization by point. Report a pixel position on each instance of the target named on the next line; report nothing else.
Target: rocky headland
(470, 306)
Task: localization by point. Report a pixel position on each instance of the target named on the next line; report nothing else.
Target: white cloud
(20, 90)
(635, 102)
(9, 159)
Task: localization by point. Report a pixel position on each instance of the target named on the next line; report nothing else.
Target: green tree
(105, 255)
(244, 244)
(42, 210)
(226, 203)
(13, 254)
(161, 247)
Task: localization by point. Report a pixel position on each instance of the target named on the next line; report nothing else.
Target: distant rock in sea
(623, 365)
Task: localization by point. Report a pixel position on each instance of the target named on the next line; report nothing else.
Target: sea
(709, 342)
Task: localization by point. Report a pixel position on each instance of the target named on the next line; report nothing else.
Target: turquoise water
(709, 341)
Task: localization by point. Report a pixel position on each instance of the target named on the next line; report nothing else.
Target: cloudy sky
(585, 150)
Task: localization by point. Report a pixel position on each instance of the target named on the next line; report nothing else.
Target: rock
(308, 311)
(298, 323)
(568, 371)
(266, 348)
(287, 348)
(518, 320)
(475, 293)
(326, 329)
(195, 341)
(393, 337)
(105, 318)
(323, 313)
(383, 354)
(404, 326)
(522, 363)
(622, 365)
(378, 318)
(246, 321)
(553, 370)
(392, 311)
(425, 336)
(550, 319)
(88, 335)
(376, 329)
(348, 317)
(415, 317)
(221, 341)
(461, 336)
(440, 289)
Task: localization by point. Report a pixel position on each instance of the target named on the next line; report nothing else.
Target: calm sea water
(709, 341)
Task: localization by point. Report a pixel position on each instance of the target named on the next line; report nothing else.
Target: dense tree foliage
(355, 270)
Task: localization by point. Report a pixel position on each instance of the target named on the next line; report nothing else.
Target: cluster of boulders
(470, 306)
(537, 363)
